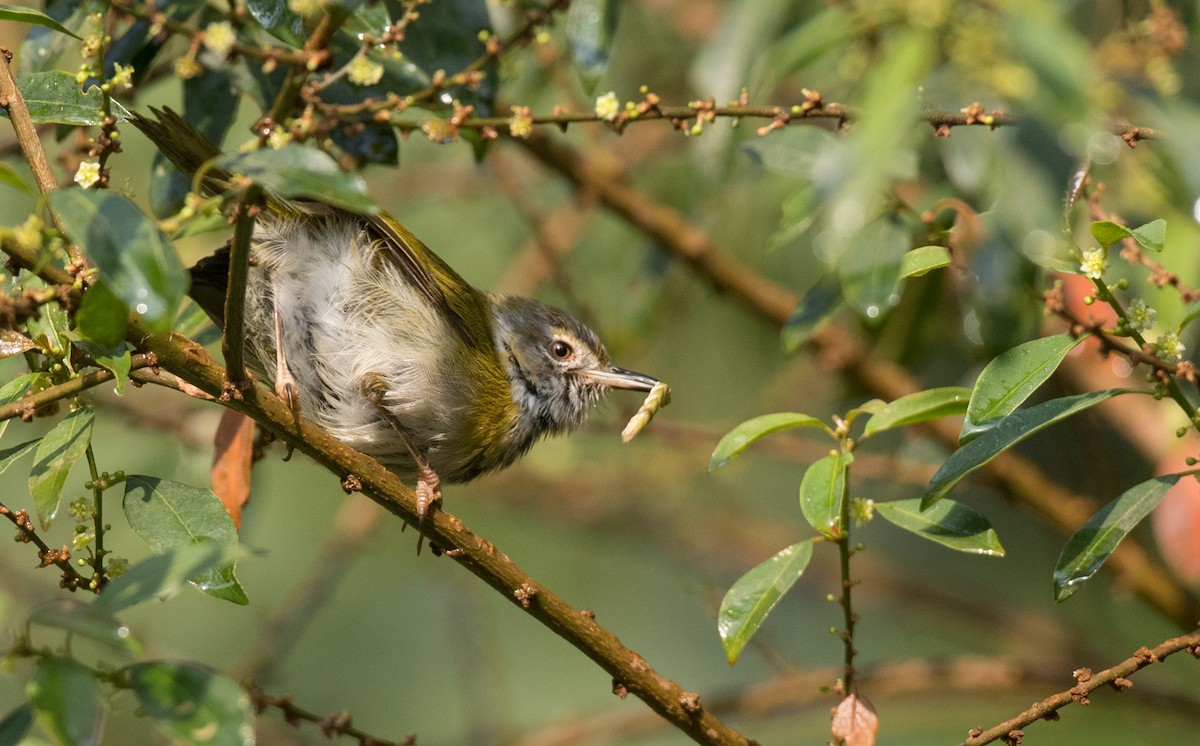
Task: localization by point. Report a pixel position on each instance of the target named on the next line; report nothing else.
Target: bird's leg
(285, 383)
(429, 484)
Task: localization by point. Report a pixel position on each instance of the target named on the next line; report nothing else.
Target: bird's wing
(465, 309)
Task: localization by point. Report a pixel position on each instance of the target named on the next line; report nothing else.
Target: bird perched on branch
(379, 341)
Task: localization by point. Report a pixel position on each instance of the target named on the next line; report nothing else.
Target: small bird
(379, 341)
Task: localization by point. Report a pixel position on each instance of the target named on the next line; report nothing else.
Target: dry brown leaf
(233, 453)
(855, 722)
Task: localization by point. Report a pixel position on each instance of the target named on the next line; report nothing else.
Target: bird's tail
(183, 146)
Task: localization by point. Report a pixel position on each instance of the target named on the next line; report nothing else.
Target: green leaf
(1004, 435)
(102, 316)
(33, 17)
(55, 98)
(191, 704)
(924, 259)
(739, 438)
(949, 523)
(870, 270)
(118, 360)
(51, 322)
(88, 620)
(67, 701)
(298, 171)
(591, 26)
(820, 302)
(278, 21)
(1150, 236)
(133, 256)
(162, 575)
(14, 343)
(1091, 546)
(168, 515)
(919, 407)
(1192, 313)
(752, 597)
(15, 725)
(1010, 378)
(821, 492)
(792, 151)
(56, 454)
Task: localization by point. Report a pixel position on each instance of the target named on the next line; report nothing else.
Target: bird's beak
(619, 378)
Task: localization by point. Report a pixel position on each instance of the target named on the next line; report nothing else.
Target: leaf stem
(99, 579)
(844, 553)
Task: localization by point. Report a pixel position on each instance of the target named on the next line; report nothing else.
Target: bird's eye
(560, 350)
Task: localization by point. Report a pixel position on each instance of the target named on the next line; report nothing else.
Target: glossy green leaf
(792, 151)
(168, 515)
(16, 725)
(870, 270)
(1090, 547)
(1010, 378)
(102, 316)
(919, 407)
(298, 171)
(14, 343)
(18, 14)
(739, 438)
(752, 597)
(87, 620)
(448, 38)
(1150, 236)
(821, 492)
(815, 308)
(591, 26)
(67, 701)
(949, 523)
(162, 575)
(1004, 435)
(277, 20)
(925, 259)
(55, 98)
(134, 258)
(192, 704)
(56, 454)
(43, 48)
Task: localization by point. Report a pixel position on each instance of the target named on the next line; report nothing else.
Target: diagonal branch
(1088, 682)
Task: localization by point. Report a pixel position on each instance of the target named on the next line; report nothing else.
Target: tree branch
(1088, 682)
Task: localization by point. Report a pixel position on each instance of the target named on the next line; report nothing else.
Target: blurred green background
(640, 533)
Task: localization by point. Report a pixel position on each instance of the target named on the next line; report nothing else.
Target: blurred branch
(330, 725)
(356, 522)
(844, 351)
(1088, 682)
(60, 558)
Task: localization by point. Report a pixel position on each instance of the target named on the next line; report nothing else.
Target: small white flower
(1093, 263)
(279, 137)
(219, 38)
(362, 71)
(521, 124)
(186, 67)
(861, 511)
(1169, 348)
(608, 106)
(1141, 316)
(122, 78)
(88, 173)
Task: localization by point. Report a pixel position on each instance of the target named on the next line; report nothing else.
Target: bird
(375, 338)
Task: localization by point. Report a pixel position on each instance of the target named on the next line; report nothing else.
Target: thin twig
(233, 340)
(1087, 682)
(31, 145)
(27, 405)
(60, 558)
